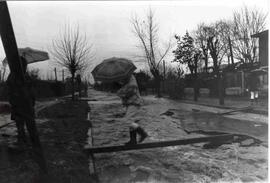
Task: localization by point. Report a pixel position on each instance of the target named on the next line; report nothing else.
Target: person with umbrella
(132, 100)
(22, 100)
(22, 95)
(121, 70)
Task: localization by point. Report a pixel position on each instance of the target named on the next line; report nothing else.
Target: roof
(260, 34)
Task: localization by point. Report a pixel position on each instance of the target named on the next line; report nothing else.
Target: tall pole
(12, 55)
(9, 41)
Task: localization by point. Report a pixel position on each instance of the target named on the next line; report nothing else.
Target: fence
(45, 89)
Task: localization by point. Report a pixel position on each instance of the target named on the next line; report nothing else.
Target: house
(236, 75)
(263, 47)
(263, 57)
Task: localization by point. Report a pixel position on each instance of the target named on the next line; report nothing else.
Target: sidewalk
(257, 115)
(231, 103)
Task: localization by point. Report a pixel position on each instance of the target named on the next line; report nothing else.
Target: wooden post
(9, 41)
(12, 55)
(106, 149)
(92, 160)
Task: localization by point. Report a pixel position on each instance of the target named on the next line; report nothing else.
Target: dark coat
(21, 98)
(253, 82)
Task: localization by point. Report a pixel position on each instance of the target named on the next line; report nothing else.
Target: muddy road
(244, 160)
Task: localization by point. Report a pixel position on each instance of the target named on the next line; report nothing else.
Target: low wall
(233, 91)
(204, 92)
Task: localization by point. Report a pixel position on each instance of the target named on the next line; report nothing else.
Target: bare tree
(217, 50)
(247, 22)
(147, 33)
(200, 38)
(72, 51)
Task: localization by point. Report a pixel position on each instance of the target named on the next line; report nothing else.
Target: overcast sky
(107, 23)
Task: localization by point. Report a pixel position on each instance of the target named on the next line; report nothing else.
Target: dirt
(63, 133)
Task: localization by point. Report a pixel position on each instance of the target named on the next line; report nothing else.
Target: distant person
(22, 101)
(253, 87)
(131, 99)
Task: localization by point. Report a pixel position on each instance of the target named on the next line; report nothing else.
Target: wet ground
(244, 160)
(63, 131)
(63, 128)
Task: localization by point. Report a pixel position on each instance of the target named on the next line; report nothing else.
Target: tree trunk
(79, 89)
(63, 76)
(206, 66)
(73, 86)
(158, 81)
(55, 74)
(220, 89)
(206, 60)
(195, 79)
(230, 45)
(219, 82)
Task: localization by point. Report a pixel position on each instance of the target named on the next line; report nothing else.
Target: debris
(195, 110)
(247, 142)
(168, 113)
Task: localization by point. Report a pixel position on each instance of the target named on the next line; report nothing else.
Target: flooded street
(130, 92)
(244, 161)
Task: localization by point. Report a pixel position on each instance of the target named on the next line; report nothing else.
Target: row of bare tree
(209, 43)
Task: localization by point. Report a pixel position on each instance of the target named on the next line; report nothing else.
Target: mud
(63, 131)
(229, 162)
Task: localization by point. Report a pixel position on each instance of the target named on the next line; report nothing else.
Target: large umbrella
(113, 69)
(31, 55)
